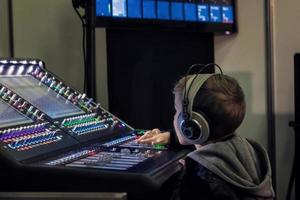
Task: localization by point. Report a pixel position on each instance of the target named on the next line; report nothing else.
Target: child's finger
(146, 135)
(147, 140)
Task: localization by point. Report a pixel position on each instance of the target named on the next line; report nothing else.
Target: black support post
(270, 90)
(90, 50)
(11, 29)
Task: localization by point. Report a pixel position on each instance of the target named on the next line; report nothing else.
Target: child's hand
(155, 136)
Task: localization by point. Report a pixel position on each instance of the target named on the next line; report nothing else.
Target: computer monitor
(200, 15)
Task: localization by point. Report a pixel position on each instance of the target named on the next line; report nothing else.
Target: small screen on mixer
(11, 117)
(41, 96)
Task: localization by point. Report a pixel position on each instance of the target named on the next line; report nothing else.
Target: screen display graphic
(190, 10)
(149, 9)
(177, 10)
(163, 9)
(134, 8)
(119, 8)
(215, 14)
(103, 8)
(203, 13)
(227, 14)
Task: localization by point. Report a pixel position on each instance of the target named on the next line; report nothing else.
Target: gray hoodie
(240, 162)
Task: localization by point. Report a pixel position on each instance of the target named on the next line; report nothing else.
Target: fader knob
(6, 93)
(41, 116)
(36, 112)
(67, 91)
(44, 78)
(58, 86)
(2, 90)
(52, 85)
(17, 102)
(70, 96)
(13, 97)
(30, 109)
(24, 105)
(125, 151)
(61, 90)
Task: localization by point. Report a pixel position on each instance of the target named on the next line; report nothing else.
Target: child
(224, 165)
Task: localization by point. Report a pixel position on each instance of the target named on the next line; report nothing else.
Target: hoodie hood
(241, 162)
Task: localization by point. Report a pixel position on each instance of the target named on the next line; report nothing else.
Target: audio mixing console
(50, 127)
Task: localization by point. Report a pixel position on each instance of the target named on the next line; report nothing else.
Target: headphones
(194, 126)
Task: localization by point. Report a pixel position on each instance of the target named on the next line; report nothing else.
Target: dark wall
(143, 66)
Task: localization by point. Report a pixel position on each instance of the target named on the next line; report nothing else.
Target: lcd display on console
(41, 96)
(11, 117)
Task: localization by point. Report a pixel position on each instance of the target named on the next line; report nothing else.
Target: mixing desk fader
(50, 128)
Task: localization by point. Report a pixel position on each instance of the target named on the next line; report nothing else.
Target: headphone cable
(83, 23)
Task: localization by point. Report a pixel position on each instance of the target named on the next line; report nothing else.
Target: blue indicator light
(190, 12)
(149, 9)
(163, 10)
(177, 10)
(215, 13)
(227, 14)
(119, 8)
(203, 13)
(135, 8)
(103, 7)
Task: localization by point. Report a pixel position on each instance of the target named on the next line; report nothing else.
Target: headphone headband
(193, 85)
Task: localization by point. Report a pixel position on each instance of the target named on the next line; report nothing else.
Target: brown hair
(221, 100)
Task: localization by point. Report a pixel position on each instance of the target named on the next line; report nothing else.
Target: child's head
(220, 99)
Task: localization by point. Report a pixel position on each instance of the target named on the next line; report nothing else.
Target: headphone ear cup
(203, 124)
(194, 130)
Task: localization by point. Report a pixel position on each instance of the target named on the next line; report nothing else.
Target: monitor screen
(40, 96)
(11, 117)
(193, 12)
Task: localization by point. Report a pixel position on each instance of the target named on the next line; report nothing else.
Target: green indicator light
(159, 146)
(140, 131)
